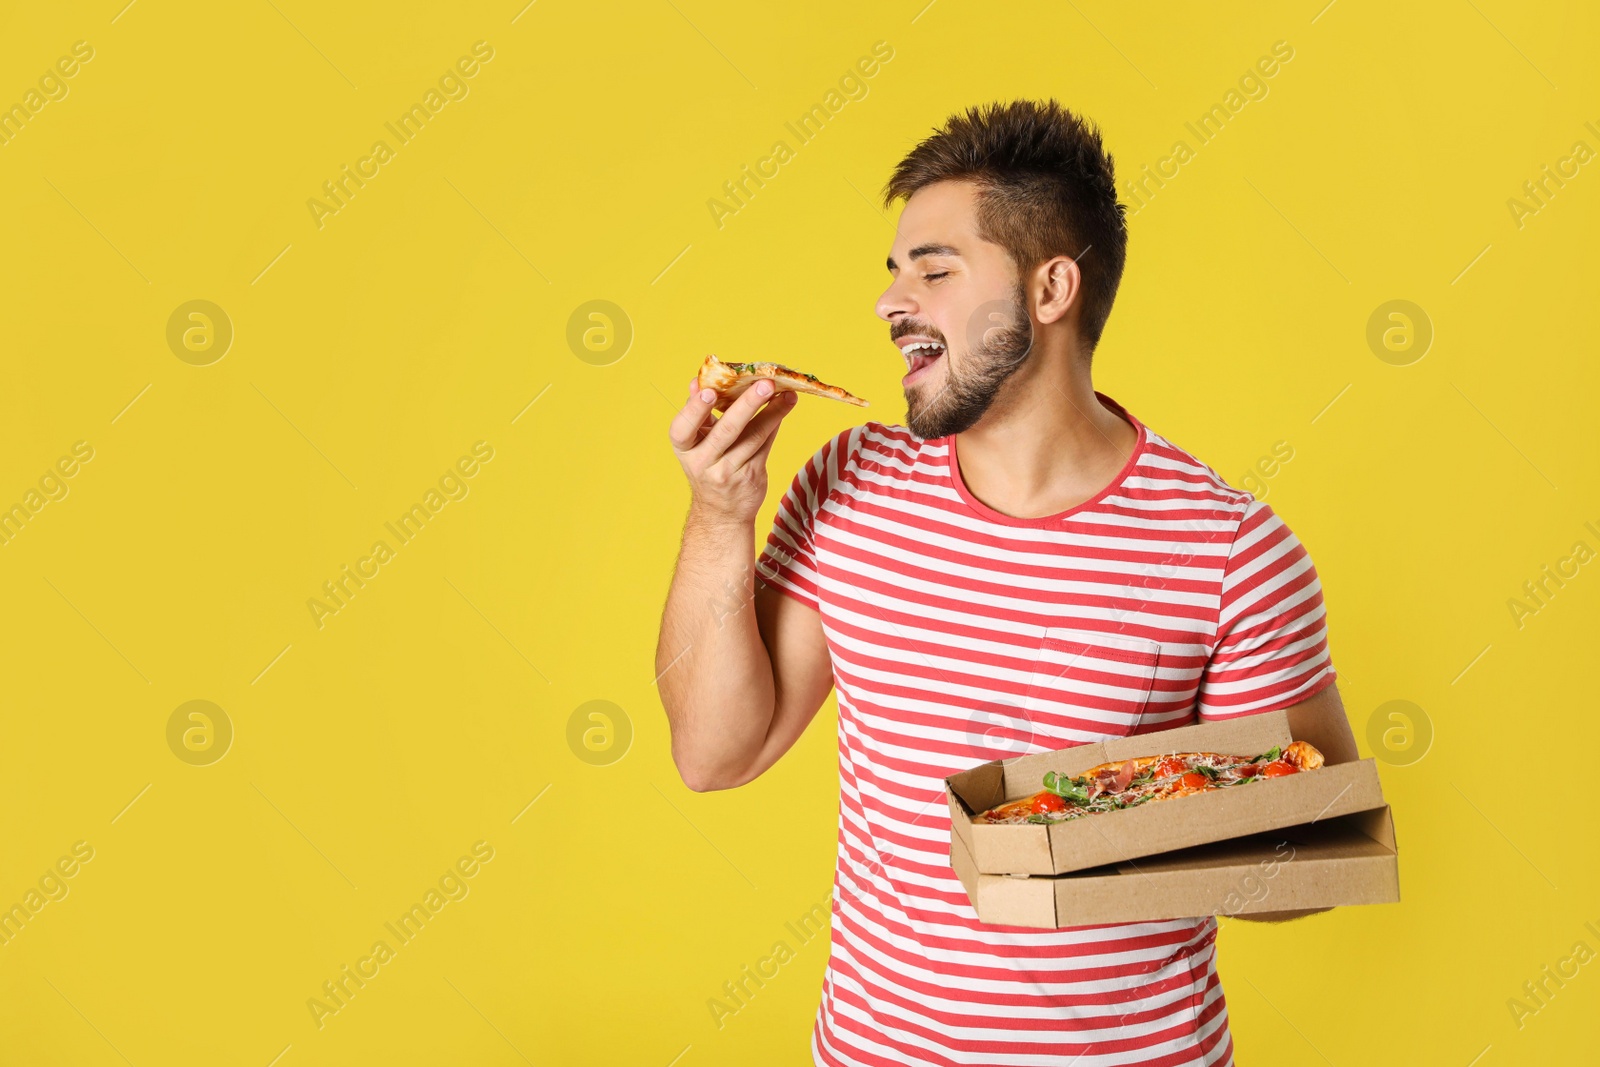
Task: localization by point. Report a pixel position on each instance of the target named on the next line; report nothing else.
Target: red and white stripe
(960, 635)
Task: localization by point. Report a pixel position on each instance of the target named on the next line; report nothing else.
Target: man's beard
(995, 351)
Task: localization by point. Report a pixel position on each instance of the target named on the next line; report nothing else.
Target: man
(925, 571)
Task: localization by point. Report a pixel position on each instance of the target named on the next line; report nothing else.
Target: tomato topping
(1193, 780)
(1169, 767)
(1048, 802)
(1278, 768)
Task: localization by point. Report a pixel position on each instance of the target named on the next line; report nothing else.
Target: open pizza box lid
(1344, 784)
(1351, 859)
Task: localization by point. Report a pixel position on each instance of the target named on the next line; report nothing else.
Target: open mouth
(919, 357)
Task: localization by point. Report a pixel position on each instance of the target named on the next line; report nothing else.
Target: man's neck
(1047, 444)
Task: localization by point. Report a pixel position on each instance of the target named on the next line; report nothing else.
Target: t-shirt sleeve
(788, 562)
(1271, 648)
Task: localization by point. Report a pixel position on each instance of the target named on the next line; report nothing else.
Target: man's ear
(1059, 283)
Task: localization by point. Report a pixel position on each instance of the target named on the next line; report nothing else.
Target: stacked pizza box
(1315, 839)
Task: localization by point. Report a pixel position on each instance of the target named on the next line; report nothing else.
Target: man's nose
(894, 302)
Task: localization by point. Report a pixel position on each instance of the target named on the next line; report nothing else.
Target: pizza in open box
(1131, 782)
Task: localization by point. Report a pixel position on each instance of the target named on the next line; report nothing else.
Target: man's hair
(1046, 188)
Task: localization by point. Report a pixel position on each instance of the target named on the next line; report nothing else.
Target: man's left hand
(1279, 916)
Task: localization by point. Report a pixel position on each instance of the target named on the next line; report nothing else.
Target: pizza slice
(729, 380)
(1129, 783)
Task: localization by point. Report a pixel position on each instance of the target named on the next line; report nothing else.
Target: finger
(761, 453)
(687, 426)
(761, 431)
(708, 420)
(719, 403)
(766, 448)
(755, 449)
(736, 418)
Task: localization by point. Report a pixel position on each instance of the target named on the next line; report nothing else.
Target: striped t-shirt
(960, 635)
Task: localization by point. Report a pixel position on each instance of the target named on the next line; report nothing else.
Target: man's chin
(926, 416)
(921, 425)
(930, 425)
(916, 419)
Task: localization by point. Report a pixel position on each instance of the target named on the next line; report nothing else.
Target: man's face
(956, 309)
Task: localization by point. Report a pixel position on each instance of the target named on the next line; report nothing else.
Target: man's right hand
(725, 458)
(738, 685)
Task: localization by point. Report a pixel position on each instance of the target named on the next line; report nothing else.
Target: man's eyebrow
(925, 250)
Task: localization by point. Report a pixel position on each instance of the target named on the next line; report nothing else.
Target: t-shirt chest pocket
(1091, 684)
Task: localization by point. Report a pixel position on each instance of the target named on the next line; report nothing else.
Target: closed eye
(935, 277)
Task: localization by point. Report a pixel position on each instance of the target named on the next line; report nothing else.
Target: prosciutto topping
(1117, 780)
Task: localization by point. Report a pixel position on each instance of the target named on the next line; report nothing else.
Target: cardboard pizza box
(1344, 784)
(1349, 859)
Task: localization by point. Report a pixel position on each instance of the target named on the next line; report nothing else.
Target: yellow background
(425, 316)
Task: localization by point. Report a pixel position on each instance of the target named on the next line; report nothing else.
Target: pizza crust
(1303, 755)
(730, 380)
